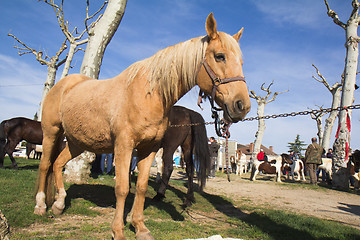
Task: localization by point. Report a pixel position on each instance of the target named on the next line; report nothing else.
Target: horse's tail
(50, 189)
(2, 141)
(201, 149)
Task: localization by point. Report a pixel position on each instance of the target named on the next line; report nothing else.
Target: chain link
(281, 115)
(302, 113)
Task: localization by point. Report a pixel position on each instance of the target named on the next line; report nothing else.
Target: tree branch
(88, 27)
(334, 16)
(26, 49)
(332, 88)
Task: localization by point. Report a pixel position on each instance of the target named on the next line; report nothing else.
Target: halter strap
(216, 81)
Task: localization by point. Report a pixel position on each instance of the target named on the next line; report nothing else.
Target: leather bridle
(216, 81)
(221, 126)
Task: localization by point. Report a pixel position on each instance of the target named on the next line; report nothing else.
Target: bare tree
(342, 141)
(75, 39)
(99, 37)
(52, 64)
(335, 91)
(318, 118)
(262, 101)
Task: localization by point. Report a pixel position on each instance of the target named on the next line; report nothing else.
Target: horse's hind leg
(186, 147)
(168, 168)
(49, 145)
(65, 156)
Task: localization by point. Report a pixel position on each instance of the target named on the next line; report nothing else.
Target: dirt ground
(315, 201)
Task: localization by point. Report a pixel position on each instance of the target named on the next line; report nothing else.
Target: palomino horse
(194, 143)
(293, 167)
(131, 111)
(272, 167)
(14, 130)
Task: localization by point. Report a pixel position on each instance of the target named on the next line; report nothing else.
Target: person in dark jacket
(213, 148)
(313, 159)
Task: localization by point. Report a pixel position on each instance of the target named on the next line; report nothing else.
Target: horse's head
(221, 74)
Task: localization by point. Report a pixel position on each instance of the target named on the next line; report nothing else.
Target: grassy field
(90, 208)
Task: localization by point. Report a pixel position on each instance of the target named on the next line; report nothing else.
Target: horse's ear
(210, 26)
(238, 35)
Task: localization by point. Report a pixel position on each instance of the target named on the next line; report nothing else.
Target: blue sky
(281, 40)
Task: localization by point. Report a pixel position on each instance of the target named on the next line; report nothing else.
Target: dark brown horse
(194, 145)
(13, 131)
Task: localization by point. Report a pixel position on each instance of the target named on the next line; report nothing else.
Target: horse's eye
(220, 57)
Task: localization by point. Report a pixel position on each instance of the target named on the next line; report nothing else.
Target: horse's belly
(89, 135)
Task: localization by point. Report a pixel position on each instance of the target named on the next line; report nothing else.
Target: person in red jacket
(260, 155)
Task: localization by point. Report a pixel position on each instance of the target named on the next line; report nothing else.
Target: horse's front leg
(122, 160)
(137, 216)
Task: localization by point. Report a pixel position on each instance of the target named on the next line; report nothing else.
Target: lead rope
(226, 134)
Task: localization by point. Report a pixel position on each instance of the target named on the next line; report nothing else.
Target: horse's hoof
(15, 167)
(57, 210)
(144, 236)
(159, 197)
(187, 203)
(39, 210)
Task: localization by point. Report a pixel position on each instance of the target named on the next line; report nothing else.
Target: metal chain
(292, 114)
(303, 113)
(191, 124)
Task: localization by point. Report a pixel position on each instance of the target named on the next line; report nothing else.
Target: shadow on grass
(276, 224)
(104, 196)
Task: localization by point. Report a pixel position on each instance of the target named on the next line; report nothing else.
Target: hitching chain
(292, 114)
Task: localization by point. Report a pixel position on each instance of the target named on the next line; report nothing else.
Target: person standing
(260, 155)
(214, 148)
(109, 163)
(313, 159)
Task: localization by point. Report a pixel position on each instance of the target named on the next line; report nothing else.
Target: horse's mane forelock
(176, 63)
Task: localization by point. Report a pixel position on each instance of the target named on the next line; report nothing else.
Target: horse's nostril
(239, 105)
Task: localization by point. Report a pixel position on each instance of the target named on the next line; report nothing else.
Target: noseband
(221, 127)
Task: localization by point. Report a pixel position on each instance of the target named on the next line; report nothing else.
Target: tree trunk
(342, 142)
(261, 130)
(49, 83)
(99, 38)
(69, 58)
(329, 122)
(320, 132)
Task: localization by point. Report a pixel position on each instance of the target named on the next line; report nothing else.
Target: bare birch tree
(262, 101)
(318, 118)
(75, 39)
(335, 91)
(52, 64)
(342, 142)
(99, 37)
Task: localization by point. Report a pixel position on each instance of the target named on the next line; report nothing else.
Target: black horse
(14, 130)
(194, 143)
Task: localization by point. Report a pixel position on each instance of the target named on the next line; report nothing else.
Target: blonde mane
(176, 66)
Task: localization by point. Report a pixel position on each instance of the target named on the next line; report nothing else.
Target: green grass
(86, 204)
